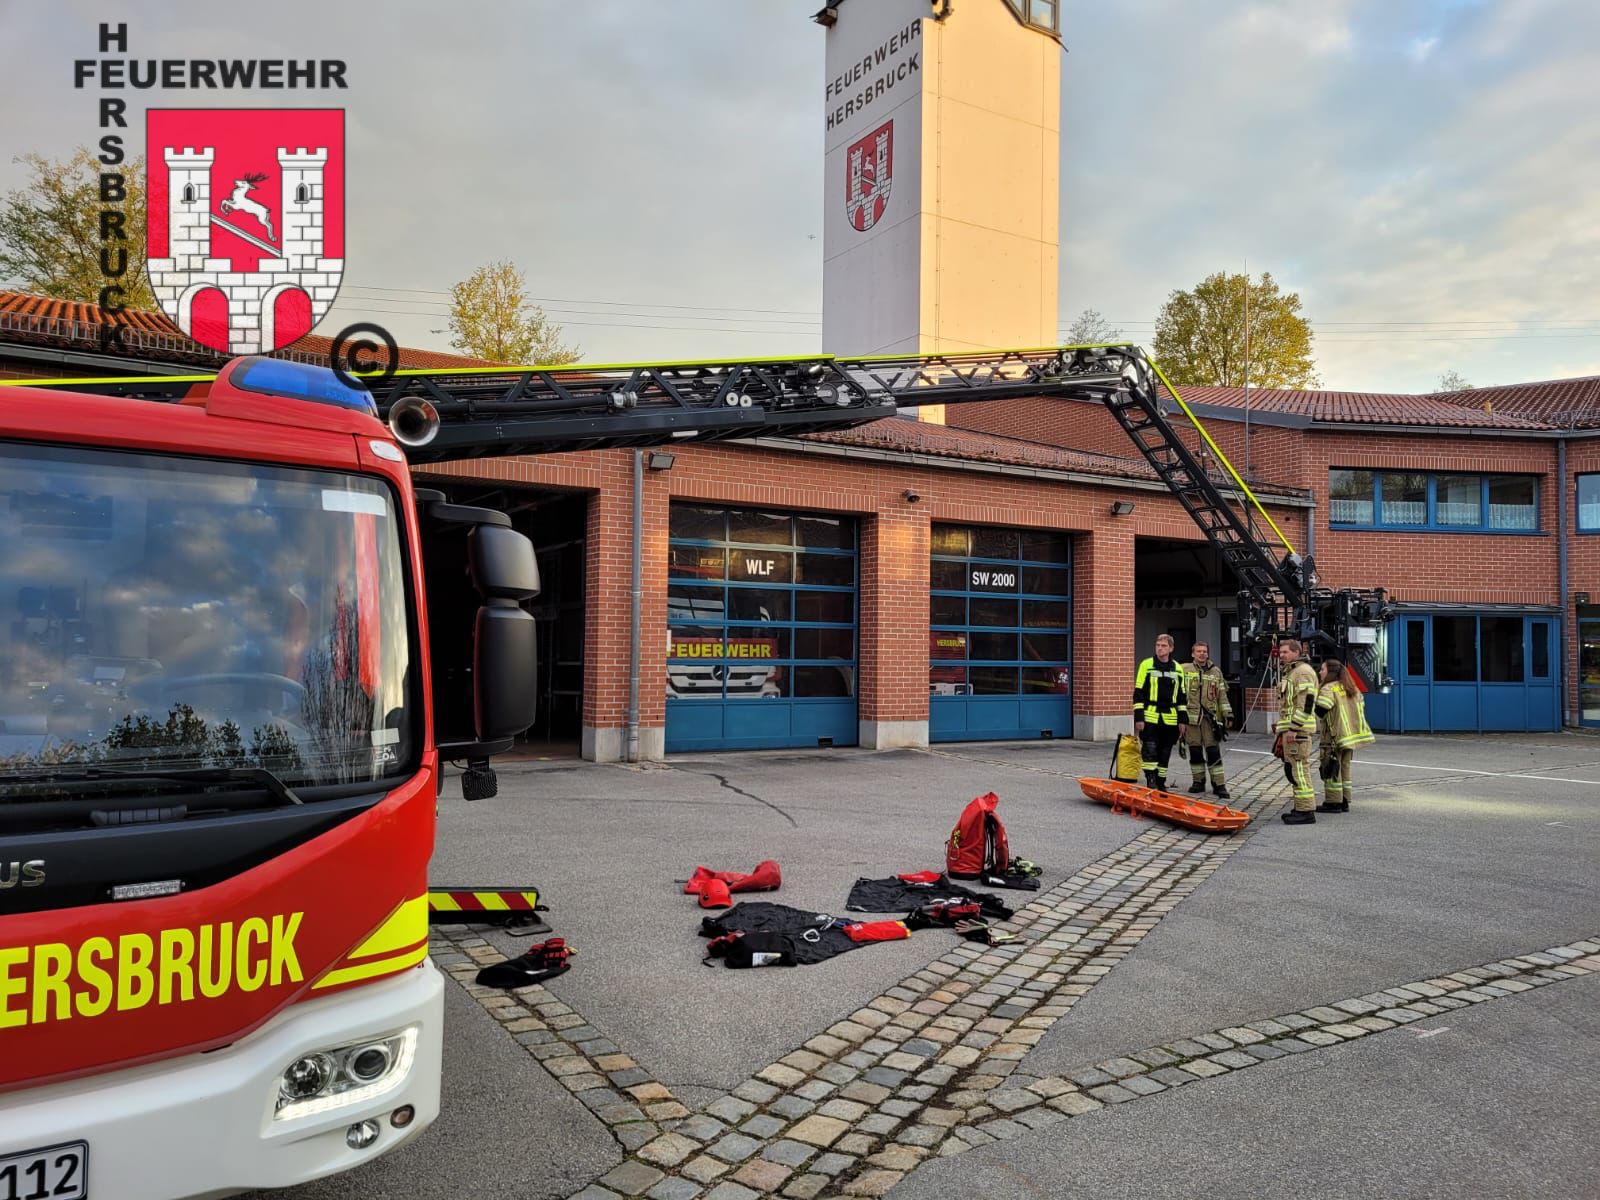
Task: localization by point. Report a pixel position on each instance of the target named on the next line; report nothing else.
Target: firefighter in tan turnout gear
(1341, 727)
(1210, 713)
(1297, 728)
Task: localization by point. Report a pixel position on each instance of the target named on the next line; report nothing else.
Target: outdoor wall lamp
(1121, 508)
(660, 460)
(911, 496)
(828, 15)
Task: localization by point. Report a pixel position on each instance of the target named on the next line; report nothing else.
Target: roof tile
(28, 318)
(1365, 408)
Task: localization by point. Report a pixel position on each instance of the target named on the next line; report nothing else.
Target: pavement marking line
(1428, 1033)
(1372, 762)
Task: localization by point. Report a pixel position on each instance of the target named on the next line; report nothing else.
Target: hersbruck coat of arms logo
(245, 221)
(868, 171)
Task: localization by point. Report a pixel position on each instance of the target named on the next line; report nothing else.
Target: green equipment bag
(1127, 760)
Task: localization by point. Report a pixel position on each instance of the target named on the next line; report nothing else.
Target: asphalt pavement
(1450, 857)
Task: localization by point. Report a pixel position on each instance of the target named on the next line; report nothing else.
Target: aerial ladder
(441, 415)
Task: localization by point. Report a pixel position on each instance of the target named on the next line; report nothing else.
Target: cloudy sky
(1425, 173)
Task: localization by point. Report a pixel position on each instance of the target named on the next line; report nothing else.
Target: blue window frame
(1000, 613)
(760, 605)
(1589, 503)
(1440, 502)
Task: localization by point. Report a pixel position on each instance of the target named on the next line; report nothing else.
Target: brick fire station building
(999, 575)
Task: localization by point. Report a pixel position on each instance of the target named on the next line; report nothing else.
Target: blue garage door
(761, 629)
(1000, 642)
(1471, 672)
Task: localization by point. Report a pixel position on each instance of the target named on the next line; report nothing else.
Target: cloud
(1455, 204)
(1393, 160)
(1421, 48)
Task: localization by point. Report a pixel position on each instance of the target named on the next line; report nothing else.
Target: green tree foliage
(1453, 381)
(1091, 329)
(1200, 335)
(50, 231)
(491, 317)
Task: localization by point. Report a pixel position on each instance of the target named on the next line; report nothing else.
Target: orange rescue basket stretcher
(1196, 814)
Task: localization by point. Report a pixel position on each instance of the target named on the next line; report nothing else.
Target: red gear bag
(978, 842)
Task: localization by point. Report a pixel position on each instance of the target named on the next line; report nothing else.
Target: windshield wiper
(267, 780)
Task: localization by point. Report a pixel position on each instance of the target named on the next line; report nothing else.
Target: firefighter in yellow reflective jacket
(1297, 727)
(1341, 727)
(1206, 694)
(1160, 711)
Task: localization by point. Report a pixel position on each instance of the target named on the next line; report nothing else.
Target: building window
(1350, 498)
(1000, 612)
(1589, 503)
(759, 605)
(1460, 500)
(1360, 499)
(189, 194)
(1041, 14)
(302, 193)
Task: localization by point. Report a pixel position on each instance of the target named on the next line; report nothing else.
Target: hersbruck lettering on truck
(51, 982)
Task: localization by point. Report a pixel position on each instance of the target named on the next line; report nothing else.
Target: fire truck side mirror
(505, 649)
(502, 563)
(505, 661)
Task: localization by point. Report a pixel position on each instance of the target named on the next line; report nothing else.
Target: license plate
(52, 1173)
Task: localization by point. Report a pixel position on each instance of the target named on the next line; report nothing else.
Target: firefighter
(1297, 726)
(1342, 722)
(1160, 711)
(1206, 696)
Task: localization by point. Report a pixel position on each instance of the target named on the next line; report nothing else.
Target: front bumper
(202, 1125)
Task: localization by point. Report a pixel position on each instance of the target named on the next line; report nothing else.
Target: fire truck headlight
(343, 1075)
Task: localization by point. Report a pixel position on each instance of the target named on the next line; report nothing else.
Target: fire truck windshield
(161, 613)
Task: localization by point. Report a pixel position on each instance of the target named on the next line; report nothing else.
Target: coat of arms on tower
(868, 171)
(245, 221)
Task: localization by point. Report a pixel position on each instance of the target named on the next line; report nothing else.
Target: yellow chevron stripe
(443, 902)
(406, 926)
(384, 966)
(492, 901)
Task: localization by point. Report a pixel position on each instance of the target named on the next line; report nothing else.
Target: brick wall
(893, 683)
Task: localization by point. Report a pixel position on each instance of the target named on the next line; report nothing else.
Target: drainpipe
(1561, 541)
(637, 599)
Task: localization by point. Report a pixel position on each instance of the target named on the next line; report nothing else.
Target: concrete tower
(942, 180)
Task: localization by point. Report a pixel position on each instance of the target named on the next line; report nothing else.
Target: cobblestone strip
(1041, 1102)
(861, 1104)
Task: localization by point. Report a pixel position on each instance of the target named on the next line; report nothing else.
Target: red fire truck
(228, 678)
(218, 780)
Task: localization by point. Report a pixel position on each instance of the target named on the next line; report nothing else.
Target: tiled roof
(40, 320)
(904, 436)
(1365, 408)
(1564, 403)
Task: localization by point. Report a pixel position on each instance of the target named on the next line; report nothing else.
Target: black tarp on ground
(811, 936)
(897, 895)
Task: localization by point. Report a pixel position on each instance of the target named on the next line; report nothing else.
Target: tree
(1200, 335)
(1091, 329)
(491, 317)
(50, 231)
(1453, 381)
